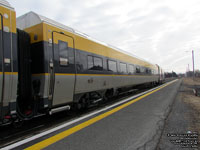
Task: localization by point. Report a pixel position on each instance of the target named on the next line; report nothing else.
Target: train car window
(150, 71)
(123, 67)
(63, 53)
(137, 69)
(131, 69)
(90, 62)
(98, 63)
(142, 70)
(153, 71)
(146, 70)
(112, 65)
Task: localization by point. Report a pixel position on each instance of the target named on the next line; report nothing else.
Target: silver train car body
(59, 67)
(8, 62)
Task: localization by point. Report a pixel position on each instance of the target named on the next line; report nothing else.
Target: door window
(63, 53)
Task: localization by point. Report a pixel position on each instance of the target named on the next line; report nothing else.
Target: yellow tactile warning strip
(72, 130)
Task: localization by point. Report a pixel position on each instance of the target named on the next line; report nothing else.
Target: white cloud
(158, 31)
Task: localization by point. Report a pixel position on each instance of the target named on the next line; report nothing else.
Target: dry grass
(190, 81)
(189, 96)
(192, 100)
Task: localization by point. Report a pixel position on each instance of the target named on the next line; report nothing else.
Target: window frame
(88, 62)
(109, 67)
(132, 67)
(63, 61)
(101, 62)
(125, 67)
(93, 63)
(138, 70)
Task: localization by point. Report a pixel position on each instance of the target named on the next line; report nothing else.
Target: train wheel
(89, 100)
(109, 94)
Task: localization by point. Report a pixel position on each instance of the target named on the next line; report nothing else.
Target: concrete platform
(134, 125)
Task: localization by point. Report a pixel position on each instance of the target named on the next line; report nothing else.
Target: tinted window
(142, 70)
(137, 69)
(63, 49)
(148, 71)
(95, 63)
(154, 71)
(90, 62)
(98, 63)
(112, 65)
(63, 53)
(131, 68)
(123, 68)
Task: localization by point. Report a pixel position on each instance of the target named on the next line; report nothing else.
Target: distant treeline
(190, 73)
(170, 74)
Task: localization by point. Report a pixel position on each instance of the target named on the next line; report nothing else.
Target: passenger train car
(46, 67)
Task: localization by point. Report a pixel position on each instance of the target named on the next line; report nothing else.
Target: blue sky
(159, 31)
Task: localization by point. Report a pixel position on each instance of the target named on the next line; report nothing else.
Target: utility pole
(193, 62)
(187, 71)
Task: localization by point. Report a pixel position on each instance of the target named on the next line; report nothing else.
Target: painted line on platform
(72, 130)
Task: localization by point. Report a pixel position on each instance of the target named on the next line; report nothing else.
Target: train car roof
(6, 4)
(31, 18)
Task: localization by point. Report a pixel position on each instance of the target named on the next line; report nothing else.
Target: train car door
(63, 68)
